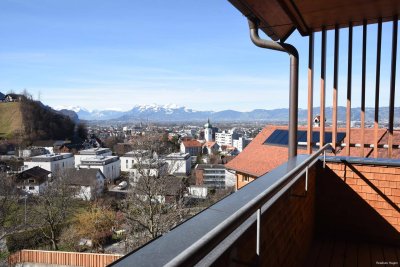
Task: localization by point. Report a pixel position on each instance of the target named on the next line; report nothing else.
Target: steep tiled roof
(191, 143)
(36, 173)
(259, 158)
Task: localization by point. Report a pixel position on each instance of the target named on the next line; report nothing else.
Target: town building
(269, 149)
(147, 168)
(89, 183)
(193, 147)
(225, 138)
(210, 175)
(32, 181)
(54, 163)
(32, 152)
(110, 166)
(90, 153)
(210, 148)
(241, 143)
(128, 160)
(178, 164)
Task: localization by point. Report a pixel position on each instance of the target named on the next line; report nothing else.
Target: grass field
(10, 119)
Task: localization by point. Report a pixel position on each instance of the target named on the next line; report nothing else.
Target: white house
(90, 153)
(241, 143)
(197, 191)
(178, 163)
(54, 163)
(89, 183)
(131, 158)
(110, 166)
(32, 181)
(226, 137)
(147, 168)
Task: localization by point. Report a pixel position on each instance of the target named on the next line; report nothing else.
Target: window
(245, 178)
(31, 181)
(31, 188)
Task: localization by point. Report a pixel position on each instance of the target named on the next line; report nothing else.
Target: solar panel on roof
(281, 137)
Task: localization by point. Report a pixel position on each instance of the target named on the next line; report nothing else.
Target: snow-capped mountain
(175, 113)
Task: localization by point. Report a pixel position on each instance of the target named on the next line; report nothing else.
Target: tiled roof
(258, 158)
(35, 172)
(191, 143)
(83, 177)
(209, 144)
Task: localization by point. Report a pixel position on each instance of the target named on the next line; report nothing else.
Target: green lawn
(10, 119)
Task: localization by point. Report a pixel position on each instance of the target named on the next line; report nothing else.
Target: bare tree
(53, 208)
(154, 203)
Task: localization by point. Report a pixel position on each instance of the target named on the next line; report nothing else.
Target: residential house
(89, 183)
(128, 160)
(226, 137)
(269, 149)
(32, 152)
(110, 166)
(13, 98)
(241, 143)
(33, 181)
(211, 175)
(90, 153)
(210, 148)
(54, 163)
(193, 147)
(146, 168)
(179, 164)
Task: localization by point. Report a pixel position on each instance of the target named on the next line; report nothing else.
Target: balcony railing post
(258, 232)
(324, 159)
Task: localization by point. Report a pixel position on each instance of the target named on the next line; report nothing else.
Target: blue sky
(117, 54)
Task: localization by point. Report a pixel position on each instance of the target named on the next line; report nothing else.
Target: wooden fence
(62, 258)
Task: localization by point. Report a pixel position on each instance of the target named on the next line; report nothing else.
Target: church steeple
(208, 131)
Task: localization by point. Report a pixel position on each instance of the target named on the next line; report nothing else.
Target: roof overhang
(279, 18)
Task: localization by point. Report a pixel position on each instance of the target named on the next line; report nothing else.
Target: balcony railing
(217, 227)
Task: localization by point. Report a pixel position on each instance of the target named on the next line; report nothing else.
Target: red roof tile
(258, 158)
(191, 143)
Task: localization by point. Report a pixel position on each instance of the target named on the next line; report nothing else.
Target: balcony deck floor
(345, 253)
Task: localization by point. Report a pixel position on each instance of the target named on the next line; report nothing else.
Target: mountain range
(174, 113)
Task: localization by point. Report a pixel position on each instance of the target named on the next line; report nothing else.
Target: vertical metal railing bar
(258, 232)
(348, 104)
(377, 84)
(310, 92)
(324, 161)
(392, 85)
(363, 71)
(322, 94)
(335, 88)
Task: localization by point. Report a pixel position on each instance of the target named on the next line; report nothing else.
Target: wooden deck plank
(351, 256)
(313, 254)
(376, 253)
(398, 254)
(364, 255)
(390, 255)
(324, 257)
(338, 254)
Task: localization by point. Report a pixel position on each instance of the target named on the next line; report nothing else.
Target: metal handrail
(203, 246)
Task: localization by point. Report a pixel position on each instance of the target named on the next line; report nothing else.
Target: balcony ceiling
(279, 18)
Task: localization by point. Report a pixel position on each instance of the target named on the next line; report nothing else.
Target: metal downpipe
(294, 80)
